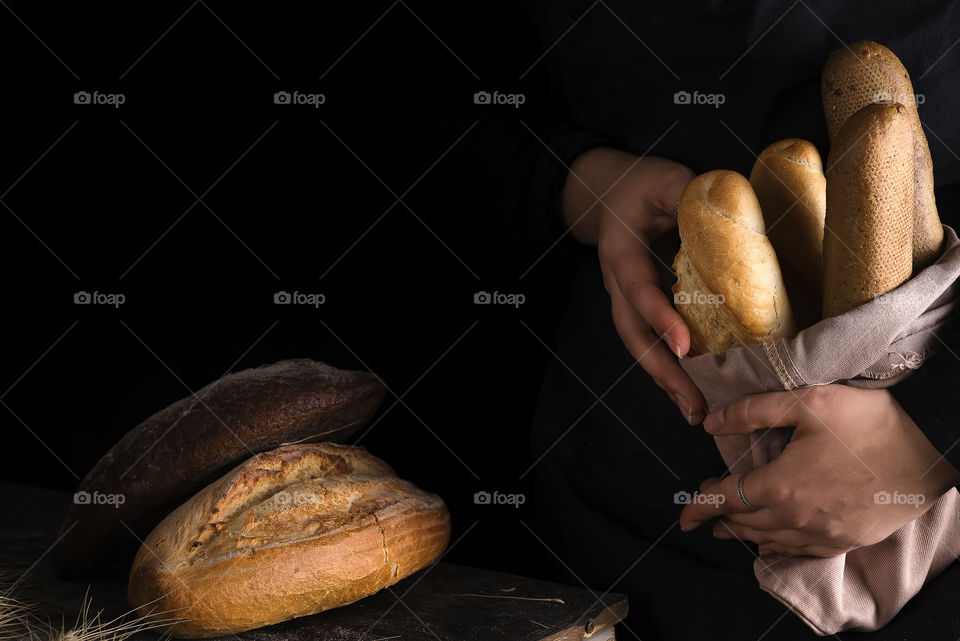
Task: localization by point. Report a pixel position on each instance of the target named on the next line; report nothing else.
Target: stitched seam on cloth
(793, 366)
(790, 598)
(773, 355)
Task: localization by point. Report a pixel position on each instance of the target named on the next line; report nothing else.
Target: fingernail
(713, 421)
(685, 408)
(679, 353)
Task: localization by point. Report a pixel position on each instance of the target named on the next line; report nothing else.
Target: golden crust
(729, 289)
(792, 190)
(290, 532)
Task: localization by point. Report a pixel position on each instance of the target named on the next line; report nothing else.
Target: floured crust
(290, 532)
(729, 290)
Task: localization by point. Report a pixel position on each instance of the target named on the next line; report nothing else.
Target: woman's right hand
(622, 203)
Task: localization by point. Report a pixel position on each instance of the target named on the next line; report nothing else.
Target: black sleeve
(930, 396)
(498, 184)
(524, 176)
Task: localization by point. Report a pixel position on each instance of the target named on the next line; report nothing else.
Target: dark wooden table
(444, 602)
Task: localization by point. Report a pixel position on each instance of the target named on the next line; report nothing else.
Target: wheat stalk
(90, 626)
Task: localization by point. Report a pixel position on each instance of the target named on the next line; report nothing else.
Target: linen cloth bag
(872, 346)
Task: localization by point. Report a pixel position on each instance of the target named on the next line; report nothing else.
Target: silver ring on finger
(743, 499)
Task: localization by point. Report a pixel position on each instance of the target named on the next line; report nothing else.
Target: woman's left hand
(856, 469)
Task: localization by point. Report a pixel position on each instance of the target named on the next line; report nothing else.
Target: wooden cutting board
(444, 602)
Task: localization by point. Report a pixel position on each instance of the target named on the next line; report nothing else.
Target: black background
(106, 199)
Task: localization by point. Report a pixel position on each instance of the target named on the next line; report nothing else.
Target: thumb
(669, 179)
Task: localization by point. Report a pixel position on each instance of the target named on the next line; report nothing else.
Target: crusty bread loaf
(290, 532)
(792, 191)
(729, 288)
(863, 73)
(188, 444)
(867, 245)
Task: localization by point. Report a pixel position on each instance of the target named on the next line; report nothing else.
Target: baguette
(792, 191)
(729, 288)
(867, 246)
(864, 73)
(291, 532)
(185, 446)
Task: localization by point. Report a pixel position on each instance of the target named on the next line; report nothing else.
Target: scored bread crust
(867, 247)
(792, 191)
(207, 433)
(861, 74)
(290, 532)
(725, 254)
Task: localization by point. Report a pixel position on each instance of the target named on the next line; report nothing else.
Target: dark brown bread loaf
(185, 446)
(290, 532)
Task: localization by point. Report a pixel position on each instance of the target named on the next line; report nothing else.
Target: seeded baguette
(867, 245)
(861, 74)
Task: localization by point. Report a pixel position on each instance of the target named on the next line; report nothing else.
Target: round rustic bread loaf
(290, 532)
(185, 446)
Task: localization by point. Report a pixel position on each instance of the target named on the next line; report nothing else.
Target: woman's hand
(855, 471)
(622, 203)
